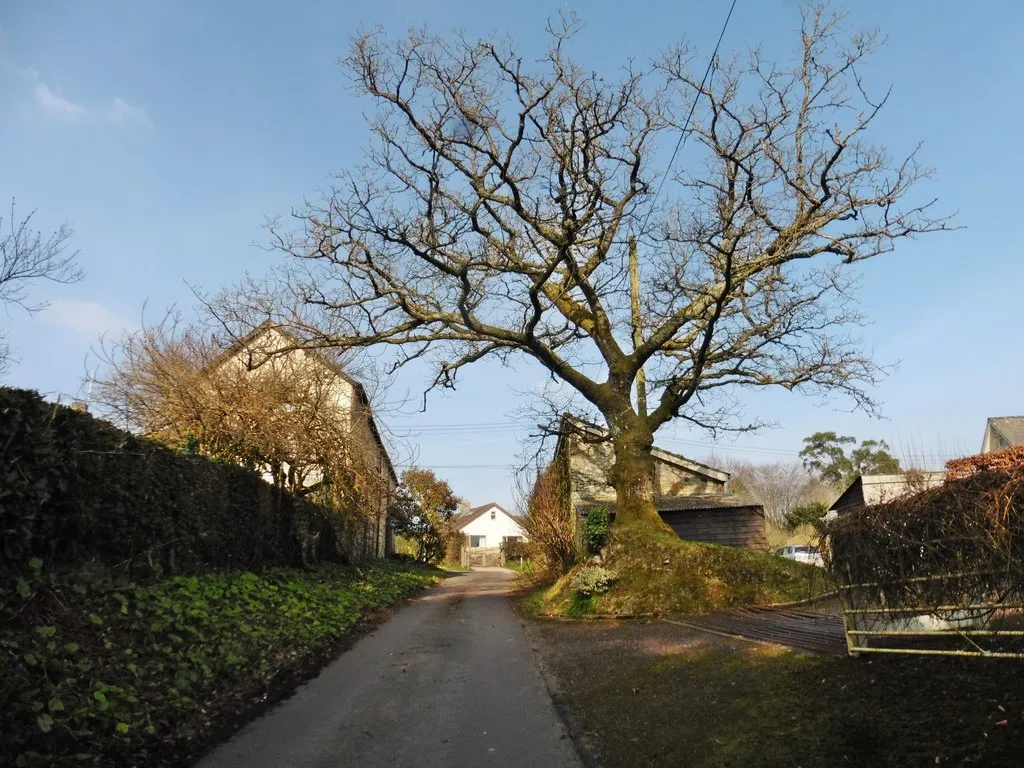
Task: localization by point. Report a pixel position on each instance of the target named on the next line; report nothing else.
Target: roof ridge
(673, 454)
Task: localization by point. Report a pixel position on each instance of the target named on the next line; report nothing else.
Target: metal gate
(978, 625)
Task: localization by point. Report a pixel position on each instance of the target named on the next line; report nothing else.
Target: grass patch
(778, 536)
(524, 567)
(658, 573)
(652, 695)
(103, 672)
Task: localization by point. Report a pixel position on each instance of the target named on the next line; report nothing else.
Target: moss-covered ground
(657, 573)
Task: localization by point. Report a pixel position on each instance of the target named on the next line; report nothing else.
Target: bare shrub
(549, 520)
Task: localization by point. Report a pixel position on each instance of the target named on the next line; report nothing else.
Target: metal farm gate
(978, 625)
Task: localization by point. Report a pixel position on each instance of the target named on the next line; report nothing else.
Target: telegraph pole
(634, 297)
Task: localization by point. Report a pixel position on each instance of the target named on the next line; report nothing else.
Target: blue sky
(166, 131)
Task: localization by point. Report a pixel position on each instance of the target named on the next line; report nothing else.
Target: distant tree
(872, 457)
(824, 455)
(776, 487)
(26, 257)
(811, 513)
(422, 512)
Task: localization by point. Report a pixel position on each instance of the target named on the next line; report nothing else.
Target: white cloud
(123, 112)
(119, 112)
(85, 319)
(51, 102)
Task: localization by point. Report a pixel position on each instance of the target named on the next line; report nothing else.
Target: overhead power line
(686, 123)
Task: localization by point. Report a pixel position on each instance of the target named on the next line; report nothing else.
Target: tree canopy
(502, 200)
(422, 511)
(824, 454)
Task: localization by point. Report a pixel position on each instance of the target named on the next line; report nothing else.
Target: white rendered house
(487, 526)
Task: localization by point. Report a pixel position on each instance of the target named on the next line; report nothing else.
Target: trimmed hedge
(77, 491)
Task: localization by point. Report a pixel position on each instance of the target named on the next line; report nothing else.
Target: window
(494, 514)
(477, 541)
(512, 539)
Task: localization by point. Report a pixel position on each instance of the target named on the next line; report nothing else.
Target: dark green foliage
(75, 490)
(115, 668)
(596, 526)
(824, 455)
(422, 512)
(811, 513)
(515, 549)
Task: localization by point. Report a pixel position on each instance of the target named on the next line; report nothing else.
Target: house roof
(1010, 427)
(679, 503)
(867, 490)
(577, 425)
(267, 326)
(463, 520)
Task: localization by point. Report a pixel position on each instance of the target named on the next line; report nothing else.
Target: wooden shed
(711, 519)
(726, 520)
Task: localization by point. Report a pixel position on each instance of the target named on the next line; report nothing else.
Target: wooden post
(634, 301)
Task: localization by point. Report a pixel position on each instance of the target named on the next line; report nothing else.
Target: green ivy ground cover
(100, 672)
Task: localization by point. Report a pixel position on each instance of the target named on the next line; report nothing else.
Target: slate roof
(463, 520)
(1010, 427)
(574, 424)
(679, 503)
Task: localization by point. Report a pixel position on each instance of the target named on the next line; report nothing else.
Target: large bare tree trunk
(632, 474)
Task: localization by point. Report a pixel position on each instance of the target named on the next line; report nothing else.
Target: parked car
(801, 553)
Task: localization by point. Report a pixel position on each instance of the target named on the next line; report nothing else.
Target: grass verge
(102, 672)
(652, 694)
(658, 573)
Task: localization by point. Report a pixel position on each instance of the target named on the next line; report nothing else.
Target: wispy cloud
(118, 112)
(86, 319)
(51, 102)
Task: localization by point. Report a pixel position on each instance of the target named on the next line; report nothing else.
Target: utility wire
(686, 124)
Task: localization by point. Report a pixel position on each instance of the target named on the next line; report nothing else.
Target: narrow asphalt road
(448, 681)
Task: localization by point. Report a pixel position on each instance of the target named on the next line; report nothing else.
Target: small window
(477, 541)
(494, 514)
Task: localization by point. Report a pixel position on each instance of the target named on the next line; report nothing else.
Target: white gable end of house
(491, 527)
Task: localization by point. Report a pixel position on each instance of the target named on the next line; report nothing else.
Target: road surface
(448, 681)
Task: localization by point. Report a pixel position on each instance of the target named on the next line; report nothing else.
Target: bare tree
(777, 487)
(282, 414)
(547, 517)
(27, 258)
(495, 212)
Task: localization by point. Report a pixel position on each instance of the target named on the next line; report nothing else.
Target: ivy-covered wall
(75, 491)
